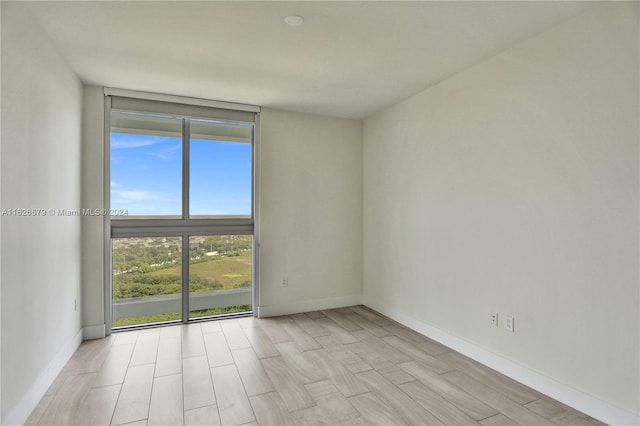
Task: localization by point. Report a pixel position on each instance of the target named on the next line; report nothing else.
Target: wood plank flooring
(347, 366)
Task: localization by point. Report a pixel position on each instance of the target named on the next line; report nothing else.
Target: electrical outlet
(284, 282)
(508, 324)
(494, 319)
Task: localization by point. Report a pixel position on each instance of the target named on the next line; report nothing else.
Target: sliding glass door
(182, 212)
(147, 280)
(220, 274)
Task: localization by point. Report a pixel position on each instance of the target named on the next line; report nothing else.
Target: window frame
(186, 109)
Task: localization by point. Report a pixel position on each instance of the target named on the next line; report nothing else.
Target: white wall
(513, 187)
(0, 230)
(310, 212)
(41, 122)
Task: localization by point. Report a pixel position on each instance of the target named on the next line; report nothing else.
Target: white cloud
(135, 143)
(126, 140)
(136, 195)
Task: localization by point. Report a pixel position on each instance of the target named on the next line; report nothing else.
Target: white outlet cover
(509, 323)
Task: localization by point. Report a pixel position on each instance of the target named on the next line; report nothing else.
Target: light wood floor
(348, 366)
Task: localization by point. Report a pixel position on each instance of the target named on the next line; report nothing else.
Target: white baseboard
(574, 398)
(94, 332)
(308, 306)
(21, 412)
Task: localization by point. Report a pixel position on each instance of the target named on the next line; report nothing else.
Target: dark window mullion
(186, 136)
(185, 278)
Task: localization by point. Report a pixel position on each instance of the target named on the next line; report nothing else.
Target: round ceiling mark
(294, 20)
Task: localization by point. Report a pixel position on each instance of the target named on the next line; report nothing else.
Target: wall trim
(594, 407)
(308, 305)
(94, 332)
(30, 400)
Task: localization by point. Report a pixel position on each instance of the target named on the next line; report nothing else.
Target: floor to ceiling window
(181, 203)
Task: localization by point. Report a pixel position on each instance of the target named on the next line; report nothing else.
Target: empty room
(320, 213)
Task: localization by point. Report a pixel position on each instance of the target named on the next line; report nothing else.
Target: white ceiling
(349, 59)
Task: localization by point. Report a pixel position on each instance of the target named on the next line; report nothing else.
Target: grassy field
(230, 272)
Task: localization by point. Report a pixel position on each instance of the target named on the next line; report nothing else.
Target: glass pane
(146, 165)
(220, 274)
(147, 280)
(220, 169)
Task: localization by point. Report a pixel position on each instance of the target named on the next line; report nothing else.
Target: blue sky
(146, 176)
